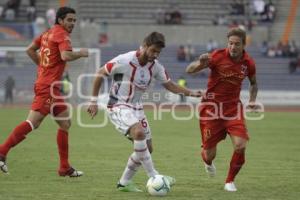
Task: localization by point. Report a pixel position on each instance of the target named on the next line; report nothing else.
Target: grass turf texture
(271, 171)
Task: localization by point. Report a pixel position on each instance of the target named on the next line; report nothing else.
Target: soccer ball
(158, 185)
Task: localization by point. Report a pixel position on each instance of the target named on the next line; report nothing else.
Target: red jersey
(225, 81)
(52, 43)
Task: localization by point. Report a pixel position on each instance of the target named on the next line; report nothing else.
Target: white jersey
(130, 80)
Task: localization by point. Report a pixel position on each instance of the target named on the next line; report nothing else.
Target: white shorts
(124, 117)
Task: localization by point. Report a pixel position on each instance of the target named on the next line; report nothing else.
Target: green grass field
(271, 170)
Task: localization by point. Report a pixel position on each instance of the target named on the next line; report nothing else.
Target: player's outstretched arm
(32, 53)
(173, 87)
(253, 89)
(93, 107)
(74, 55)
(198, 65)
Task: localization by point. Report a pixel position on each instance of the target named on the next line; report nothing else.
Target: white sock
(144, 156)
(131, 168)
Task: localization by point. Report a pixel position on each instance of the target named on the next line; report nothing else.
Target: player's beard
(151, 59)
(70, 29)
(233, 54)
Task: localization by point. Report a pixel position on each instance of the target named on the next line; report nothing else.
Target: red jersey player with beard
(55, 50)
(221, 111)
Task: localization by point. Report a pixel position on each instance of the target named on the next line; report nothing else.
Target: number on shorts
(144, 123)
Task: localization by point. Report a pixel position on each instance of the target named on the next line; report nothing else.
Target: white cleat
(210, 169)
(3, 167)
(230, 187)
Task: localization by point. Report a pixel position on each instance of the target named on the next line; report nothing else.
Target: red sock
(237, 161)
(15, 137)
(63, 148)
(204, 158)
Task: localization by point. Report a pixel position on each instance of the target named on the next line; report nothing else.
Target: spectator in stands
(237, 7)
(160, 16)
(258, 7)
(176, 17)
(50, 15)
(272, 52)
(173, 15)
(234, 24)
(31, 11)
(103, 33)
(294, 64)
(189, 51)
(11, 9)
(220, 20)
(286, 49)
(264, 48)
(9, 88)
(279, 49)
(181, 53)
(282, 49)
(249, 23)
(39, 26)
(269, 12)
(2, 56)
(10, 58)
(211, 45)
(1, 11)
(293, 51)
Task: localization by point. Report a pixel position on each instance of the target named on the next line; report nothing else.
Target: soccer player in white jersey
(132, 74)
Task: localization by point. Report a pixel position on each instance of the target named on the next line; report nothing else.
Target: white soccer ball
(158, 185)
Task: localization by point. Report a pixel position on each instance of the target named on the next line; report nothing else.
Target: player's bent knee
(65, 125)
(139, 135)
(137, 132)
(240, 148)
(34, 124)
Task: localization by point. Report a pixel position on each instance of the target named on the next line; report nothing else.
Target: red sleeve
(252, 68)
(38, 40)
(212, 59)
(64, 42)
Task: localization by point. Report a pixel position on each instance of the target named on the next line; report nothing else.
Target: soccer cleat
(71, 172)
(130, 187)
(171, 180)
(230, 187)
(3, 166)
(210, 169)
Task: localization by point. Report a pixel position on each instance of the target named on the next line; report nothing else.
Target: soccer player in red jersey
(55, 50)
(221, 111)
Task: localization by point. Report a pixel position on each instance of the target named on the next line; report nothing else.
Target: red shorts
(46, 103)
(215, 129)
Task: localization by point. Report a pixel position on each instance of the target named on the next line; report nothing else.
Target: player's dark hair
(62, 13)
(237, 32)
(155, 38)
